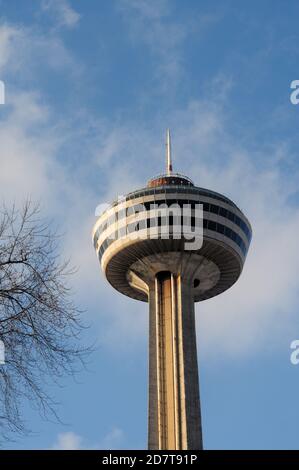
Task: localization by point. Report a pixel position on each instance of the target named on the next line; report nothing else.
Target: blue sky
(90, 88)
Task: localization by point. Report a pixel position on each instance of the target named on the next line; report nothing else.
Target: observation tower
(172, 244)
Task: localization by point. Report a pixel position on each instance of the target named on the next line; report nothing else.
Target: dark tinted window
(220, 228)
(214, 209)
(212, 225)
(222, 212)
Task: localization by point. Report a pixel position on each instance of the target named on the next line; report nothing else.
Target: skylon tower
(172, 244)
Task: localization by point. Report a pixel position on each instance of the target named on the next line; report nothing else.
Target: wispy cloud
(25, 52)
(62, 12)
(8, 34)
(156, 25)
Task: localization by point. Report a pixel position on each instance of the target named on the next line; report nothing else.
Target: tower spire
(168, 153)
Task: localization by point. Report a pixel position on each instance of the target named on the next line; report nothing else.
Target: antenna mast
(168, 153)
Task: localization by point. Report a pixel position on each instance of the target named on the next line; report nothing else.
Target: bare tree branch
(39, 324)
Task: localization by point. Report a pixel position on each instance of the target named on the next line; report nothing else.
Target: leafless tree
(39, 323)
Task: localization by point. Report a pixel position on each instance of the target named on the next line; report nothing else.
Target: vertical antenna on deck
(168, 153)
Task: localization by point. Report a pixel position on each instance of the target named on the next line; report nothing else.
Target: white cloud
(72, 441)
(62, 11)
(113, 439)
(68, 441)
(8, 34)
(25, 158)
(25, 52)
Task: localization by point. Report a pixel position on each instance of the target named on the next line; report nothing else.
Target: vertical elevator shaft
(174, 404)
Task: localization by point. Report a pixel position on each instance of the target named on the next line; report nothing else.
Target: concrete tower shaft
(174, 405)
